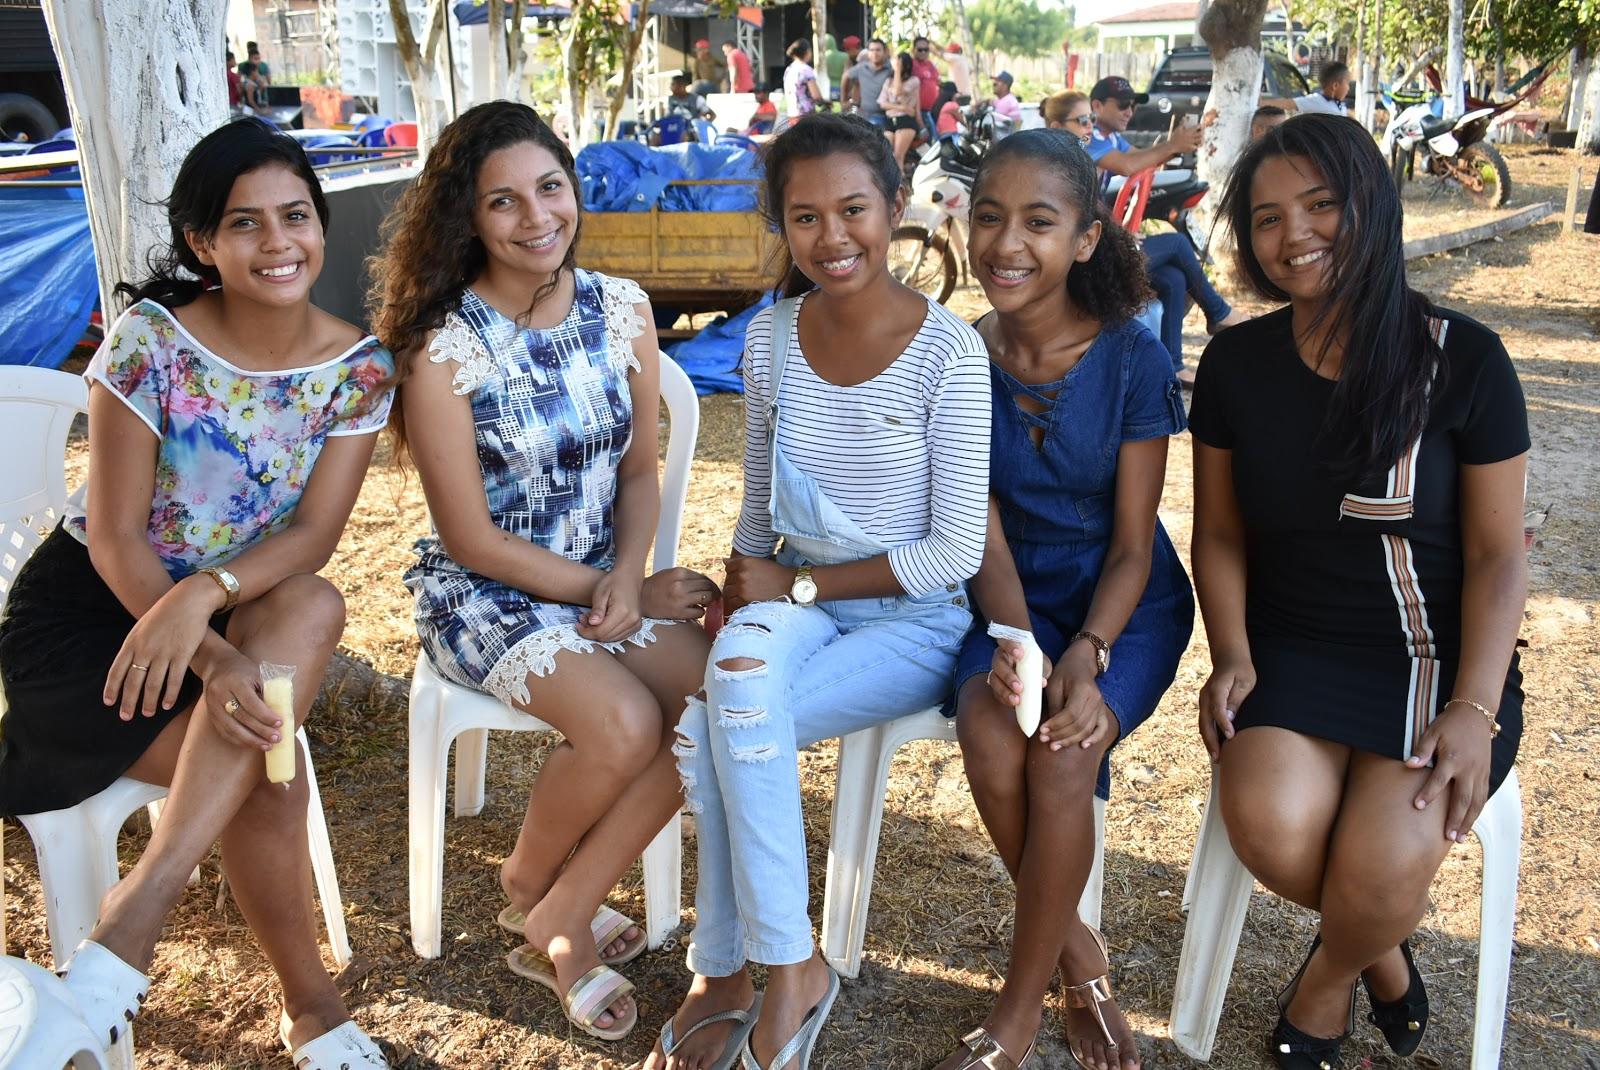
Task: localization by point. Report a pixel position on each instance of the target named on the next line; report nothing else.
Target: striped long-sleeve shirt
(905, 455)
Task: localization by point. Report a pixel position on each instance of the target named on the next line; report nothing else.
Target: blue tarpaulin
(711, 358)
(48, 285)
(625, 176)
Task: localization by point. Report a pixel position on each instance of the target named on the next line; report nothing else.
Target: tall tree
(422, 64)
(1455, 58)
(1232, 31)
(133, 130)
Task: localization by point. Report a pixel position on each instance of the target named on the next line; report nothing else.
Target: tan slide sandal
(585, 1001)
(607, 926)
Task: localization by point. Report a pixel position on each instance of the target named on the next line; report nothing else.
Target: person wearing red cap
(960, 69)
(740, 78)
(852, 48)
(708, 69)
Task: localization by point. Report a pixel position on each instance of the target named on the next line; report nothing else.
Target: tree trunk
(420, 64)
(1455, 59)
(1589, 120)
(630, 58)
(1366, 91)
(1377, 65)
(819, 53)
(574, 83)
(516, 55)
(1425, 57)
(134, 130)
(497, 49)
(1581, 66)
(1232, 31)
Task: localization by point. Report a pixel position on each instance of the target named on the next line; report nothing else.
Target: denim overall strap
(783, 314)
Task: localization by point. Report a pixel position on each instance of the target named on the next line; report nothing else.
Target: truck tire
(21, 114)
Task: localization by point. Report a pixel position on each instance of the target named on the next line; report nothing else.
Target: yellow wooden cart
(689, 261)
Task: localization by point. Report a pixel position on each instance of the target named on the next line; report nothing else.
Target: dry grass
(941, 909)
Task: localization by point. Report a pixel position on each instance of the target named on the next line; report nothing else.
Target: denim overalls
(824, 670)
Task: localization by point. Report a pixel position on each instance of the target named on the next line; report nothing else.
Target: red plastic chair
(401, 135)
(1128, 210)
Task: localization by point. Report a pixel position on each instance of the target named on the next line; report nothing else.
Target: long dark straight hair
(1391, 359)
(817, 135)
(200, 197)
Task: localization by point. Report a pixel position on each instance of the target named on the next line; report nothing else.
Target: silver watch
(804, 590)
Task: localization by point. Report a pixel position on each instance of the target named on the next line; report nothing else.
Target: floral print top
(237, 447)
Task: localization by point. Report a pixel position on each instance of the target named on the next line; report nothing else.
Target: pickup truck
(1183, 81)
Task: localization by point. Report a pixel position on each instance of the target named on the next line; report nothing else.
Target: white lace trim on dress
(623, 322)
(457, 341)
(536, 655)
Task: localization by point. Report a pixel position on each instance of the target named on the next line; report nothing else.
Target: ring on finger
(232, 706)
(141, 668)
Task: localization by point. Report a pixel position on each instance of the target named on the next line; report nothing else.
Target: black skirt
(59, 742)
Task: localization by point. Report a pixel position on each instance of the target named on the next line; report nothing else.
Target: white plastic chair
(39, 1029)
(76, 847)
(1217, 894)
(864, 759)
(443, 712)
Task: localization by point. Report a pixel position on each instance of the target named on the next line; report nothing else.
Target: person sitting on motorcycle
(1112, 100)
(1005, 101)
(947, 112)
(1334, 82)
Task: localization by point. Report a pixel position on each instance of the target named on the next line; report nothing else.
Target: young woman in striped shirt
(866, 452)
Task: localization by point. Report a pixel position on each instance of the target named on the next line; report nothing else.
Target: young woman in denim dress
(866, 452)
(1084, 401)
(530, 404)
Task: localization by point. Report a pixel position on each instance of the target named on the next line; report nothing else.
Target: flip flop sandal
(980, 1051)
(803, 1042)
(745, 1021)
(1090, 994)
(586, 1000)
(345, 1047)
(607, 926)
(108, 991)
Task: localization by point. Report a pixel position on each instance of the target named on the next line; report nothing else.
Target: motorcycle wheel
(923, 262)
(1482, 172)
(1399, 165)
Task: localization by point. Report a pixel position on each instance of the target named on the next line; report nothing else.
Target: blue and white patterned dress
(553, 418)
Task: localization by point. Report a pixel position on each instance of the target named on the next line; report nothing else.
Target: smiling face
(1026, 234)
(1294, 226)
(837, 222)
(526, 210)
(269, 245)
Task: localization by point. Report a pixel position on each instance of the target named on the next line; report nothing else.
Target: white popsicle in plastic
(278, 693)
(1030, 667)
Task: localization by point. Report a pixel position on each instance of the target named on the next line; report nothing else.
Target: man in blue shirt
(1111, 102)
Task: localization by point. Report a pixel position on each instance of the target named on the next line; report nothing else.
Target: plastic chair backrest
(376, 138)
(37, 407)
(401, 135)
(683, 412)
(54, 145)
(671, 129)
(373, 122)
(1132, 199)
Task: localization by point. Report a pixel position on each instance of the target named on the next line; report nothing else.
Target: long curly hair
(1111, 286)
(429, 253)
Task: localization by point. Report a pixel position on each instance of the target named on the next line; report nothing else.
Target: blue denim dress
(1057, 503)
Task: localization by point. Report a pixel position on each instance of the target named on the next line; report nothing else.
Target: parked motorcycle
(1454, 151)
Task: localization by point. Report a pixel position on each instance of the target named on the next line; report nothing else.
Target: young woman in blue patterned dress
(529, 404)
(230, 426)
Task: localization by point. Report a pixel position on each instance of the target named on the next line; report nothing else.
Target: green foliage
(1536, 28)
(1017, 27)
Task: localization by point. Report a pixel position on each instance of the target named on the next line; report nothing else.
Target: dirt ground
(941, 910)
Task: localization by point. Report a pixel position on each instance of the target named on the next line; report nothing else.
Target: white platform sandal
(346, 1047)
(109, 992)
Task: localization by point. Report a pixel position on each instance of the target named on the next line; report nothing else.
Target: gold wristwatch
(229, 585)
(1102, 651)
(804, 590)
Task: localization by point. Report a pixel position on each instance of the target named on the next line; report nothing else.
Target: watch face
(805, 591)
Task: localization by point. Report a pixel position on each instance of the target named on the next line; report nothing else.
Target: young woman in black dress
(1358, 552)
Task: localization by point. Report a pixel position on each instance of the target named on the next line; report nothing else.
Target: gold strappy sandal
(1090, 994)
(980, 1051)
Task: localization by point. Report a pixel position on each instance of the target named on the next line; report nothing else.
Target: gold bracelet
(1494, 725)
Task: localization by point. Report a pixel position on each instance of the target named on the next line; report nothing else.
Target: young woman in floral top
(230, 426)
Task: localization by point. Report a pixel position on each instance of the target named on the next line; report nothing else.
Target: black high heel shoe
(1403, 1021)
(1295, 1050)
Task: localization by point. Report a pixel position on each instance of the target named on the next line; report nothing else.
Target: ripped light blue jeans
(824, 671)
